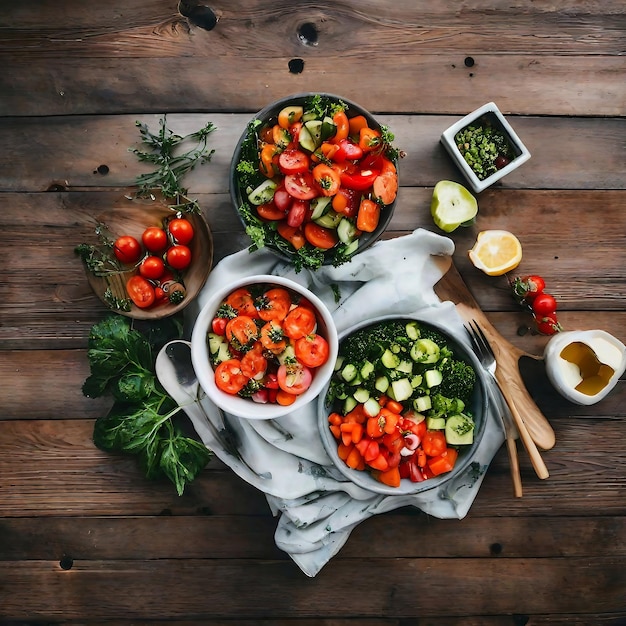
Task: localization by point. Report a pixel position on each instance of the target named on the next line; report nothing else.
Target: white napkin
(316, 505)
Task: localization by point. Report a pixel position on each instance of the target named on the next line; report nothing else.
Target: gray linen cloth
(316, 506)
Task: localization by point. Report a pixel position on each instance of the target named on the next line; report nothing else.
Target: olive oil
(595, 375)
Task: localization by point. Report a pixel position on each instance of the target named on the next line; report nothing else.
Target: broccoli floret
(442, 406)
(459, 379)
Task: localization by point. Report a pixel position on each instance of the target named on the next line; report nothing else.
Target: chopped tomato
(293, 162)
(444, 462)
(270, 212)
(297, 213)
(369, 139)
(292, 234)
(434, 442)
(319, 236)
(327, 179)
(301, 186)
(368, 215)
(346, 151)
(229, 377)
(299, 322)
(346, 202)
(274, 304)
(242, 301)
(282, 199)
(390, 477)
(312, 350)
(385, 187)
(294, 378)
(325, 152)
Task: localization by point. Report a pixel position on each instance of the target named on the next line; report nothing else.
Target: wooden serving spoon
(452, 287)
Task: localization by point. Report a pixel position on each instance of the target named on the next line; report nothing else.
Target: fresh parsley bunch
(140, 422)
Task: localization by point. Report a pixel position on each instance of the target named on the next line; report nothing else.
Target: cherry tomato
(241, 331)
(293, 161)
(274, 304)
(273, 337)
(253, 363)
(528, 287)
(160, 296)
(327, 179)
(140, 291)
(229, 377)
(154, 239)
(319, 236)
(127, 249)
(301, 321)
(548, 324)
(282, 199)
(152, 267)
(312, 350)
(181, 229)
(242, 301)
(543, 304)
(347, 151)
(297, 213)
(294, 378)
(218, 325)
(270, 212)
(301, 186)
(178, 257)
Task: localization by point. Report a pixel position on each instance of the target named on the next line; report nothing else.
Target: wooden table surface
(84, 537)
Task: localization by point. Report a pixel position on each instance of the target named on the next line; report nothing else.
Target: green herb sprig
(142, 418)
(174, 157)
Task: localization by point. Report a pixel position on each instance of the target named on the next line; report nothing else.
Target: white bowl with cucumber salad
(419, 397)
(314, 179)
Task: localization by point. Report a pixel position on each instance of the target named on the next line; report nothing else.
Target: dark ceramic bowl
(478, 408)
(247, 150)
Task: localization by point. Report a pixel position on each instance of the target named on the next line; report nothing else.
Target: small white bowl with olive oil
(584, 365)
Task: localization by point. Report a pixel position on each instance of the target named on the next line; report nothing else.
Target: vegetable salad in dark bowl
(406, 407)
(314, 179)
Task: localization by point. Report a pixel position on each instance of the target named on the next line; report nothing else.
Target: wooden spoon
(452, 287)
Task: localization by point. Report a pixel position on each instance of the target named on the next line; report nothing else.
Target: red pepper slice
(359, 180)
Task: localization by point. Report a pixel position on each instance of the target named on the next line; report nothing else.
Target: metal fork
(488, 360)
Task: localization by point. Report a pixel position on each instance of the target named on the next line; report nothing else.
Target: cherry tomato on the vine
(152, 267)
(127, 249)
(544, 304)
(528, 287)
(548, 324)
(178, 257)
(154, 239)
(181, 229)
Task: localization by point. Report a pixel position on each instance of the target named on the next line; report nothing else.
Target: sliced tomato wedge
(301, 186)
(293, 162)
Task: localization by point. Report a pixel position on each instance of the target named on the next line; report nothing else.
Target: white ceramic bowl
(495, 117)
(478, 408)
(246, 407)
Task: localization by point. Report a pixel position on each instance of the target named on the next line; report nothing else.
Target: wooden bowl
(131, 216)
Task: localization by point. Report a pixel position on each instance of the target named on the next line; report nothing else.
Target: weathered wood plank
(51, 468)
(244, 589)
(65, 152)
(213, 537)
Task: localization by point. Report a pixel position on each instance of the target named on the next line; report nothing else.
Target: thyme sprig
(174, 158)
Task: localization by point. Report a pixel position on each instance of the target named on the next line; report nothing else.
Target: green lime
(452, 206)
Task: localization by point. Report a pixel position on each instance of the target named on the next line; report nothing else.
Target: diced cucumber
(435, 423)
(308, 116)
(460, 430)
(366, 370)
(351, 248)
(422, 404)
(348, 404)
(416, 381)
(412, 330)
(339, 362)
(433, 378)
(346, 230)
(329, 129)
(287, 353)
(349, 372)
(371, 407)
(357, 380)
(406, 367)
(223, 353)
(425, 351)
(263, 193)
(361, 395)
(402, 389)
(390, 360)
(319, 206)
(315, 130)
(306, 141)
(382, 384)
(330, 219)
(215, 341)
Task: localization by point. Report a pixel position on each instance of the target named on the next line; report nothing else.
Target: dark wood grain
(85, 538)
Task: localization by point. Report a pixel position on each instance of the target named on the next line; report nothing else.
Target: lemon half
(496, 252)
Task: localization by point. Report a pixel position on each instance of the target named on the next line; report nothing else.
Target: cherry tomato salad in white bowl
(406, 407)
(314, 179)
(263, 346)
